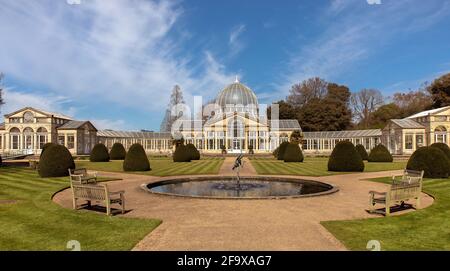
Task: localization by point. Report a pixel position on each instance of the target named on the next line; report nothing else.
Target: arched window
(28, 138)
(14, 130)
(42, 137)
(440, 134)
(14, 138)
(28, 130)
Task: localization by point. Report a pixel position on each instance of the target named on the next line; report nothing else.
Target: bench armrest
(377, 193)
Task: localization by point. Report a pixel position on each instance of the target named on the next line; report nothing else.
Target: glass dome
(238, 98)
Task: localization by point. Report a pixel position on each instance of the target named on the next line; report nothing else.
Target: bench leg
(108, 208)
(388, 210)
(371, 204)
(74, 203)
(418, 203)
(122, 201)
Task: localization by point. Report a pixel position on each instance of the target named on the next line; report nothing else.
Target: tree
(296, 137)
(412, 102)
(364, 103)
(312, 88)
(175, 98)
(440, 91)
(383, 114)
(285, 110)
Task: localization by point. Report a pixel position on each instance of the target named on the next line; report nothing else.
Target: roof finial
(236, 80)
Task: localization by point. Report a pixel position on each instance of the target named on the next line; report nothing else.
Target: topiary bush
(431, 160)
(181, 154)
(380, 154)
(55, 161)
(117, 152)
(293, 153)
(362, 152)
(275, 152)
(136, 159)
(45, 146)
(443, 147)
(281, 150)
(99, 153)
(193, 152)
(345, 158)
(1, 161)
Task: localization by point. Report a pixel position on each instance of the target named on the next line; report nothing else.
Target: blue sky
(115, 62)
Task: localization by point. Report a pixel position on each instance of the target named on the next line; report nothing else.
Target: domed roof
(237, 94)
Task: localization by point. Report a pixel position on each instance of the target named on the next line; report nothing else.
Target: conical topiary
(362, 152)
(181, 154)
(380, 154)
(293, 153)
(193, 152)
(281, 150)
(99, 153)
(136, 159)
(55, 161)
(345, 158)
(117, 152)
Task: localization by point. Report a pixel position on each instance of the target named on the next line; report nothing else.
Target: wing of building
(237, 125)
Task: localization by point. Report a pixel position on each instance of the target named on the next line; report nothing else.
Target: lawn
(31, 221)
(161, 166)
(313, 166)
(425, 229)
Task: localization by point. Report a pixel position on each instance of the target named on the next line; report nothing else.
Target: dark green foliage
(1, 161)
(117, 152)
(181, 154)
(136, 159)
(443, 147)
(250, 149)
(46, 145)
(224, 150)
(293, 153)
(296, 137)
(345, 158)
(362, 152)
(55, 161)
(281, 150)
(380, 154)
(193, 152)
(275, 152)
(440, 91)
(431, 160)
(99, 153)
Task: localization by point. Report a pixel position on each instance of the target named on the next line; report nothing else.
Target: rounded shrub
(181, 154)
(193, 152)
(117, 152)
(345, 158)
(431, 160)
(46, 145)
(1, 161)
(380, 154)
(275, 152)
(293, 153)
(99, 153)
(55, 161)
(362, 152)
(281, 150)
(443, 147)
(136, 159)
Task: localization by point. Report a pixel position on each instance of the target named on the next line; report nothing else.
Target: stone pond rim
(166, 187)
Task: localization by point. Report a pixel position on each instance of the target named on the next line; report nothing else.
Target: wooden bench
(81, 176)
(97, 193)
(409, 187)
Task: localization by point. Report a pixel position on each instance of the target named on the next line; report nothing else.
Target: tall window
(419, 141)
(440, 134)
(61, 140)
(15, 135)
(409, 142)
(28, 138)
(42, 137)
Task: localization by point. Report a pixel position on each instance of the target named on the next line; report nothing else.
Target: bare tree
(312, 88)
(1, 90)
(175, 98)
(364, 103)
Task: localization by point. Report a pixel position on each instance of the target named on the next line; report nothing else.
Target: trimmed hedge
(55, 161)
(293, 153)
(193, 152)
(431, 160)
(275, 152)
(46, 145)
(136, 159)
(345, 158)
(99, 153)
(443, 147)
(282, 150)
(380, 154)
(1, 161)
(181, 154)
(362, 152)
(117, 152)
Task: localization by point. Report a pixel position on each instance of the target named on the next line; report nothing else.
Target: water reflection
(245, 188)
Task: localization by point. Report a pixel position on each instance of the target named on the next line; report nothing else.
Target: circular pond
(246, 188)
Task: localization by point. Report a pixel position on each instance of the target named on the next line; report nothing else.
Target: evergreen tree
(175, 98)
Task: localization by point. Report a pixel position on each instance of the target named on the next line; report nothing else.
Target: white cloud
(102, 52)
(236, 45)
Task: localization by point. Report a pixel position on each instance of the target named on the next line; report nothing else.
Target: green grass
(312, 166)
(34, 222)
(161, 166)
(425, 229)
